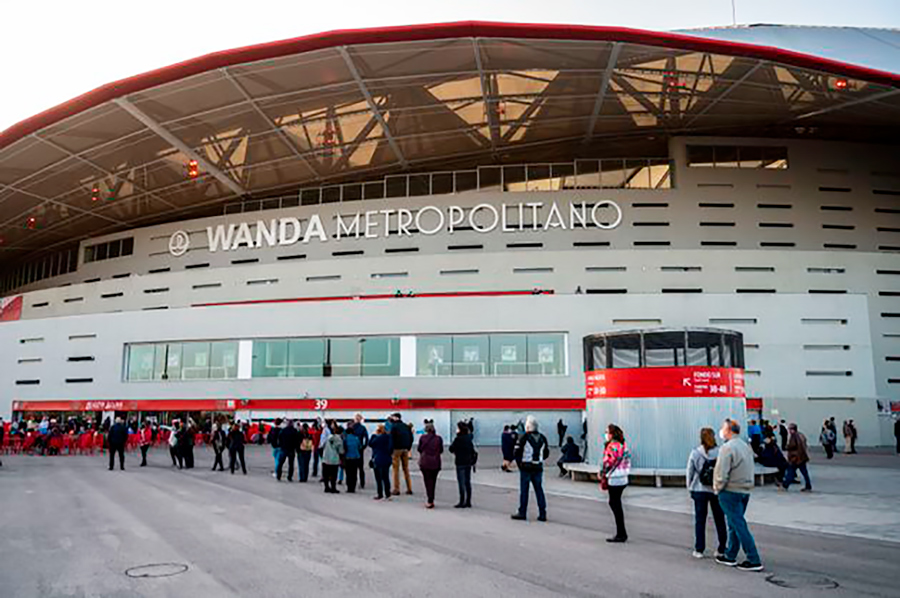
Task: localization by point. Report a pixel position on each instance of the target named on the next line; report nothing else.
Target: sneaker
(719, 555)
(616, 540)
(542, 517)
(459, 506)
(724, 560)
(517, 517)
(748, 566)
(697, 554)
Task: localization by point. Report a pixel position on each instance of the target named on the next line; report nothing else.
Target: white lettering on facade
(428, 220)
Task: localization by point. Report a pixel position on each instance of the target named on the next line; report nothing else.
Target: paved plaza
(73, 529)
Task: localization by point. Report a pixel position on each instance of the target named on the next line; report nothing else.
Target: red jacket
(146, 436)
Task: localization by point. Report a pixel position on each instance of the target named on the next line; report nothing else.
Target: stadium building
(433, 219)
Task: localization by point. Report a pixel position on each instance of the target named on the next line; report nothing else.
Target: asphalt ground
(71, 528)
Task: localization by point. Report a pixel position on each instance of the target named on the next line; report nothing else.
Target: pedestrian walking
(146, 439)
(783, 434)
(382, 455)
(700, 467)
(532, 449)
(848, 443)
(431, 447)
(733, 481)
(570, 453)
(219, 441)
(352, 458)
(116, 439)
(827, 440)
(315, 434)
(464, 457)
(798, 457)
(359, 428)
(288, 442)
(614, 476)
(236, 448)
(272, 440)
(402, 440)
(305, 453)
(507, 448)
(854, 433)
(186, 445)
(331, 459)
(174, 434)
(561, 428)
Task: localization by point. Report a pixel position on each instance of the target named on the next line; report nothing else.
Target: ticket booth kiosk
(661, 386)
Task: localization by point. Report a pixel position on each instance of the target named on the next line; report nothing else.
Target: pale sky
(54, 50)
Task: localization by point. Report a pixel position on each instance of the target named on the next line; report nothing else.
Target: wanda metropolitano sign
(428, 220)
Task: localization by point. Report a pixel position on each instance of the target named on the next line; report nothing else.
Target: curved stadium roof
(352, 105)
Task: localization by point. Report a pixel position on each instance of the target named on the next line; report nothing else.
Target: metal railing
(618, 173)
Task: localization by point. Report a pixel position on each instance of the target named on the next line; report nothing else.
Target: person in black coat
(570, 454)
(186, 445)
(465, 456)
(288, 442)
(236, 447)
(116, 440)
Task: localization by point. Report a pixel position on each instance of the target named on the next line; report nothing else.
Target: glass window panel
(434, 356)
(470, 355)
(419, 184)
(374, 190)
(441, 183)
(101, 251)
(331, 194)
(638, 174)
(701, 156)
(626, 350)
(538, 175)
(489, 178)
(168, 362)
(564, 175)
(597, 355)
(466, 180)
(128, 246)
(587, 174)
(352, 192)
(223, 360)
(726, 156)
(270, 359)
(775, 157)
(613, 175)
(396, 186)
(509, 355)
(664, 349)
(195, 364)
(345, 356)
(514, 178)
(140, 362)
(115, 248)
(750, 156)
(306, 358)
(704, 349)
(733, 351)
(309, 197)
(546, 356)
(380, 356)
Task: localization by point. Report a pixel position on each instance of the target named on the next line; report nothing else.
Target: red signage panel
(10, 308)
(665, 382)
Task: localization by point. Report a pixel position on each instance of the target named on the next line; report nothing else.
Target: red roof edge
(330, 39)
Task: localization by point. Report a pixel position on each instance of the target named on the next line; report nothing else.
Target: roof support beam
(856, 102)
(491, 110)
(104, 171)
(180, 145)
(725, 92)
(281, 133)
(55, 203)
(372, 105)
(601, 94)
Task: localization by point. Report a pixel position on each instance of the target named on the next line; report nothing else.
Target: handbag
(604, 475)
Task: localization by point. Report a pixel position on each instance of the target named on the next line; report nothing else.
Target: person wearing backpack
(614, 476)
(700, 468)
(532, 449)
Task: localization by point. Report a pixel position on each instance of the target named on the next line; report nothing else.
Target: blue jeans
(276, 455)
(703, 503)
(536, 479)
(734, 505)
(791, 475)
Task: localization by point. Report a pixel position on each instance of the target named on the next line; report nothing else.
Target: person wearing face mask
(616, 466)
(732, 482)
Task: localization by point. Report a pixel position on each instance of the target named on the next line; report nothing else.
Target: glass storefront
(491, 355)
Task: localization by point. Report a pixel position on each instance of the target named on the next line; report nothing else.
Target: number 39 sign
(321, 404)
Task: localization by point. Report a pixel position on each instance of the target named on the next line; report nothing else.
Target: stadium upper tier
(342, 106)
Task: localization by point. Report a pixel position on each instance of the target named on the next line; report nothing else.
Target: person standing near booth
(532, 449)
(614, 475)
(430, 448)
(116, 440)
(236, 448)
(700, 468)
(219, 441)
(146, 439)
